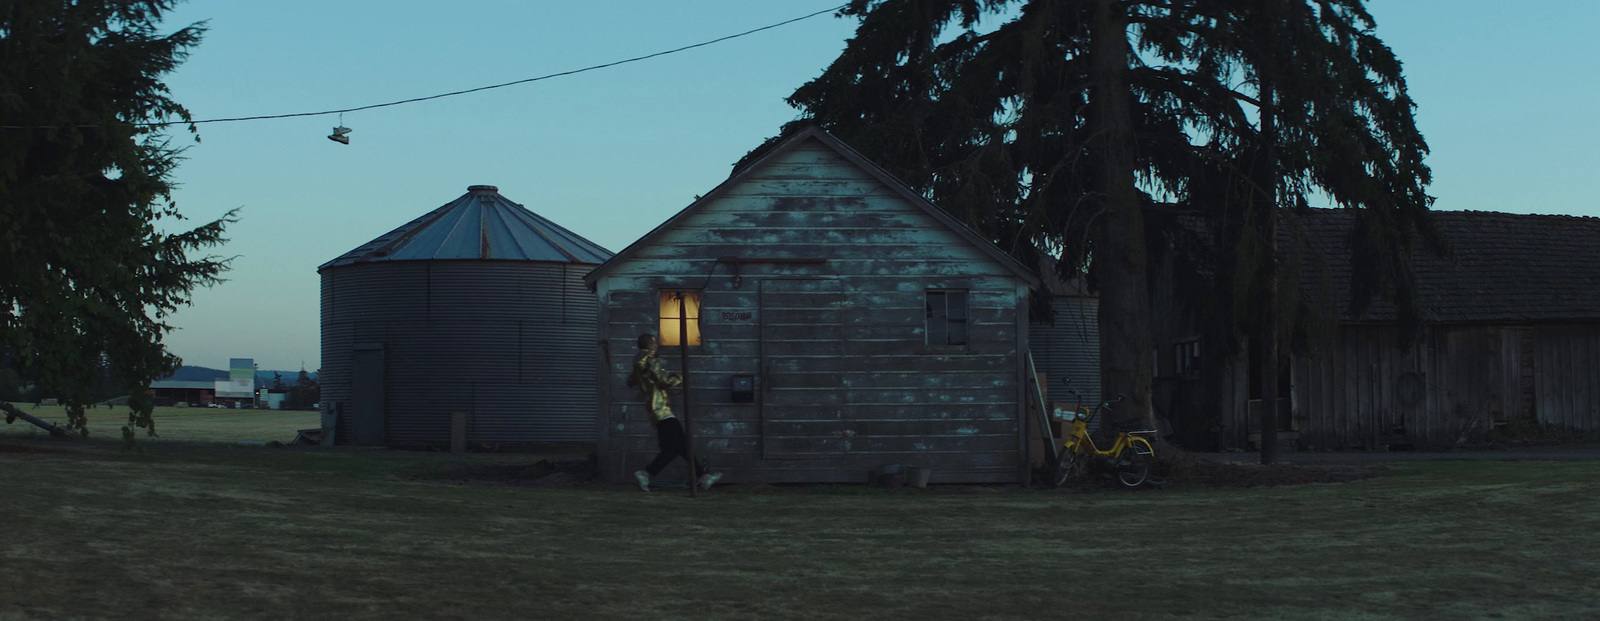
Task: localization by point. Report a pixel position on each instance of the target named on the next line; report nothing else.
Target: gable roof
(481, 224)
(1506, 268)
(882, 176)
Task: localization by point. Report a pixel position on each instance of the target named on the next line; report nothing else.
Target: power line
(441, 95)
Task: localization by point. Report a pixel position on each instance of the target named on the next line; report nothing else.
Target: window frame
(930, 314)
(695, 309)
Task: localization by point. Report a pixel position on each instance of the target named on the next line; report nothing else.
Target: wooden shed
(1512, 338)
(838, 322)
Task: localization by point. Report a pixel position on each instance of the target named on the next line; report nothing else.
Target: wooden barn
(837, 322)
(1512, 341)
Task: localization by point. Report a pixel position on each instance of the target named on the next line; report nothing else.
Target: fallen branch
(12, 414)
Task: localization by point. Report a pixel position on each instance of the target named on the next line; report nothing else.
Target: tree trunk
(1265, 185)
(1269, 324)
(12, 412)
(1119, 247)
(1269, 356)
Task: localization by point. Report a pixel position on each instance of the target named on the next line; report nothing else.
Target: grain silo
(478, 307)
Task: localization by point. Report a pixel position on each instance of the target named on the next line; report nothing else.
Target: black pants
(669, 435)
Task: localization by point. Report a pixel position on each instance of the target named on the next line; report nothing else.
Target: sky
(1506, 92)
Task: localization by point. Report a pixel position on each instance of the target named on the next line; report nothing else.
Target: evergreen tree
(1057, 130)
(1333, 117)
(305, 393)
(10, 385)
(88, 266)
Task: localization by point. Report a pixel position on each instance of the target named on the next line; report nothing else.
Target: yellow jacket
(653, 381)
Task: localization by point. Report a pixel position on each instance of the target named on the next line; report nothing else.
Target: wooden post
(683, 362)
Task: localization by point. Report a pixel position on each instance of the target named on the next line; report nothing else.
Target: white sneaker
(642, 479)
(708, 480)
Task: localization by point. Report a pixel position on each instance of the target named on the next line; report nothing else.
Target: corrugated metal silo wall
(1069, 348)
(513, 344)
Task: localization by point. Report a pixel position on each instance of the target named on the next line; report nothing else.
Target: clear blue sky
(1506, 92)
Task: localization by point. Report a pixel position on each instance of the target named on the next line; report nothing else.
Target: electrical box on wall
(744, 389)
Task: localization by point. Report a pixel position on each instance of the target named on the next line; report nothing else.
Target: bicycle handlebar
(1104, 405)
(1067, 381)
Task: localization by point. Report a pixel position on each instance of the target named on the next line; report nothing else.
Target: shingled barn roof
(1505, 268)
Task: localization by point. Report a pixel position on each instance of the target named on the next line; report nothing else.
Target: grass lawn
(256, 533)
(186, 425)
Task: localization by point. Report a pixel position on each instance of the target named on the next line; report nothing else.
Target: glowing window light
(669, 317)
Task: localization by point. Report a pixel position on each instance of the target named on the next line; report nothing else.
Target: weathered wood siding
(1566, 376)
(845, 382)
(1364, 392)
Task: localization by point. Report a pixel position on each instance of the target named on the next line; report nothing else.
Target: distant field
(197, 425)
(227, 533)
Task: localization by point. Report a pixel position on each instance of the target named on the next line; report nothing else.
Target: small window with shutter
(946, 317)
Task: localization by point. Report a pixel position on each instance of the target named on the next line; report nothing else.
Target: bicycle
(1129, 456)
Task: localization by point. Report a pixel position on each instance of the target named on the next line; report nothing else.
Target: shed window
(669, 317)
(947, 317)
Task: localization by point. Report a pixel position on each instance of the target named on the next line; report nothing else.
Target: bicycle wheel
(1133, 466)
(1066, 466)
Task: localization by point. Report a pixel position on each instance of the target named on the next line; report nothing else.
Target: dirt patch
(579, 475)
(1176, 467)
(16, 448)
(63, 450)
(543, 473)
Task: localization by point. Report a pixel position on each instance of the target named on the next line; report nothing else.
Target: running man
(652, 380)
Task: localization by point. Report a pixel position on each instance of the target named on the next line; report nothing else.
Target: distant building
(173, 392)
(268, 399)
(203, 386)
(240, 385)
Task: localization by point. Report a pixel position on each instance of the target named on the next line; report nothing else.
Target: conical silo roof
(481, 224)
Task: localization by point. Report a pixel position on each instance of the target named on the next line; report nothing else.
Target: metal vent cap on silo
(481, 224)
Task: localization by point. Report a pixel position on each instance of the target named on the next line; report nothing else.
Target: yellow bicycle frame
(1078, 439)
